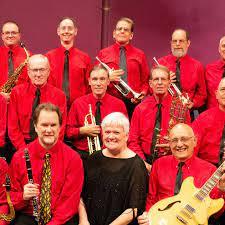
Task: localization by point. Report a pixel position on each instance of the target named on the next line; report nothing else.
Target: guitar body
(184, 208)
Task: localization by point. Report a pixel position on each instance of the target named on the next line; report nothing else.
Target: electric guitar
(192, 206)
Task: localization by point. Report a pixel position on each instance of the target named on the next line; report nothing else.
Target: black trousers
(23, 219)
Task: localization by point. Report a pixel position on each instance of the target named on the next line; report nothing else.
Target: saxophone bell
(11, 215)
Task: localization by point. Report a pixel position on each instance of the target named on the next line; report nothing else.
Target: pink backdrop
(154, 22)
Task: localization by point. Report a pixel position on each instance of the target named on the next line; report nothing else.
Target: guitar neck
(210, 184)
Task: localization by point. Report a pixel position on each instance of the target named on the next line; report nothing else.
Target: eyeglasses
(123, 29)
(12, 33)
(40, 70)
(181, 139)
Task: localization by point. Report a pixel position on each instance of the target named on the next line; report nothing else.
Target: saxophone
(178, 114)
(8, 217)
(12, 80)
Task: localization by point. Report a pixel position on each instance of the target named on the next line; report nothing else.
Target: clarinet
(31, 181)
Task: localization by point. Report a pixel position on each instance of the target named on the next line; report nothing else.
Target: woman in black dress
(116, 179)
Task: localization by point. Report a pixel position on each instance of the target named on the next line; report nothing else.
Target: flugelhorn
(184, 100)
(8, 217)
(93, 142)
(121, 86)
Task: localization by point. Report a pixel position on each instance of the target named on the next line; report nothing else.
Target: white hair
(116, 119)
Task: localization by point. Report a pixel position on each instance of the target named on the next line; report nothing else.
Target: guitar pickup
(182, 220)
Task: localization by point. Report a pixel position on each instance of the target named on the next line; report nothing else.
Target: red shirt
(137, 67)
(143, 124)
(79, 68)
(66, 180)
(3, 201)
(20, 110)
(163, 177)
(3, 116)
(80, 108)
(191, 77)
(19, 57)
(213, 76)
(208, 128)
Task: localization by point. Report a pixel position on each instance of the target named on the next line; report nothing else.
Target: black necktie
(178, 178)
(10, 63)
(222, 147)
(98, 113)
(36, 102)
(157, 127)
(66, 75)
(178, 83)
(123, 63)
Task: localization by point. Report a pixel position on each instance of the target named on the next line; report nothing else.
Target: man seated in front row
(101, 104)
(169, 171)
(57, 174)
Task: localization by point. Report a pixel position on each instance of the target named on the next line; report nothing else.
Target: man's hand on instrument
(137, 100)
(190, 104)
(6, 96)
(173, 78)
(221, 184)
(115, 75)
(30, 191)
(148, 166)
(90, 130)
(143, 219)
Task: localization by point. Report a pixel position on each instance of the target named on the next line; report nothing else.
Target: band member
(12, 55)
(209, 128)
(3, 203)
(3, 116)
(129, 63)
(165, 180)
(101, 104)
(214, 73)
(69, 66)
(189, 72)
(116, 184)
(25, 98)
(152, 116)
(57, 174)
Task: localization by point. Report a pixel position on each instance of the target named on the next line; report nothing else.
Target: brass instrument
(12, 80)
(182, 97)
(8, 217)
(121, 86)
(93, 142)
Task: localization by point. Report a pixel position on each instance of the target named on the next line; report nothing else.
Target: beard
(178, 52)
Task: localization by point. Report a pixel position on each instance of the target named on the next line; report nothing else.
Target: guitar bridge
(182, 220)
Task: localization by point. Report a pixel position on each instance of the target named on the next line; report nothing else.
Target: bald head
(221, 48)
(182, 141)
(38, 70)
(220, 94)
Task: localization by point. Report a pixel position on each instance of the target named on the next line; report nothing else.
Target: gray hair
(116, 119)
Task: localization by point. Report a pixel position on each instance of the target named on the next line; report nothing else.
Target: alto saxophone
(12, 80)
(8, 217)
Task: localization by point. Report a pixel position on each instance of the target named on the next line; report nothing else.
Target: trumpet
(93, 142)
(122, 86)
(184, 100)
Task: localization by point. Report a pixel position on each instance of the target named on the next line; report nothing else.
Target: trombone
(93, 142)
(122, 86)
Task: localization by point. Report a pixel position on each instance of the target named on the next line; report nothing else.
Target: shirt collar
(180, 59)
(32, 88)
(41, 151)
(165, 100)
(127, 47)
(187, 163)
